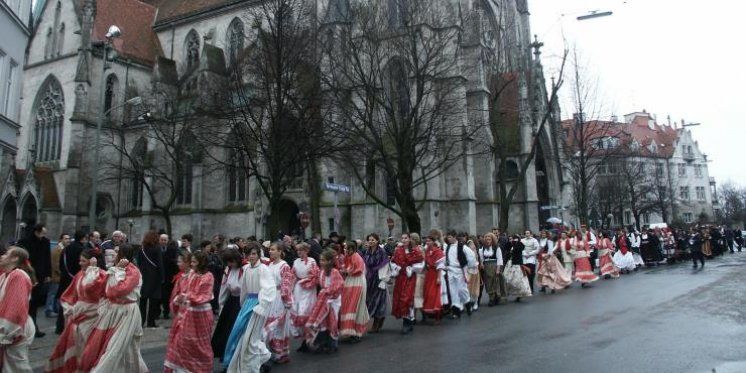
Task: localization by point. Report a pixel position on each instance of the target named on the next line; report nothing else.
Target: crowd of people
(243, 300)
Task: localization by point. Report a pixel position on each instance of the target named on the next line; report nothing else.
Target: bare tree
(588, 142)
(733, 199)
(158, 159)
(272, 128)
(638, 185)
(391, 72)
(609, 197)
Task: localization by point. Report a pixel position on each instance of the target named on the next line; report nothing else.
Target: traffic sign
(332, 187)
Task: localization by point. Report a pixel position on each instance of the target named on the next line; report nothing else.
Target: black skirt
(225, 324)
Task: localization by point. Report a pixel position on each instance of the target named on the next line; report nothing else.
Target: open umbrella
(554, 220)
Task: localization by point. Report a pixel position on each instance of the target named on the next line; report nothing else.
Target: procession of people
(319, 292)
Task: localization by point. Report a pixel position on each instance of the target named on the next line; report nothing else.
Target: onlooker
(186, 242)
(170, 251)
(40, 255)
(51, 308)
(149, 259)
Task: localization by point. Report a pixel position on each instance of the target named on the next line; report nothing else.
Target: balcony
(712, 181)
(689, 157)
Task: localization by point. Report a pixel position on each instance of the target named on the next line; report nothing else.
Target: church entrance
(289, 222)
(8, 230)
(28, 215)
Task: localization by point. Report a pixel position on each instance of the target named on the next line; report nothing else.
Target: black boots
(469, 306)
(377, 324)
(407, 326)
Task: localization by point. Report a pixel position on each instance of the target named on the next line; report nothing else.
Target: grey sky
(681, 58)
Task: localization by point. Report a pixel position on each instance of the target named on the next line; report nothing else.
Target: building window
(646, 218)
(192, 49)
(701, 193)
(60, 40)
(235, 40)
(659, 169)
(684, 193)
(627, 217)
(688, 217)
(49, 46)
(390, 190)
(9, 89)
(331, 225)
(184, 181)
(238, 178)
(698, 170)
(682, 169)
(139, 152)
(50, 111)
(112, 85)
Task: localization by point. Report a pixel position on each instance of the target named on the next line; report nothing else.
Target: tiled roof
(135, 18)
(638, 129)
(169, 10)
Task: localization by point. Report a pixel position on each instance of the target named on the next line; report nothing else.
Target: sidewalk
(41, 349)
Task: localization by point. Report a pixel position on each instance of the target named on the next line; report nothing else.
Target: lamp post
(114, 32)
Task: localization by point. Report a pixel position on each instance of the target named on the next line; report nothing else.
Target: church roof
(171, 10)
(135, 18)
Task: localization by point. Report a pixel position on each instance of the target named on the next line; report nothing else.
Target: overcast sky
(682, 58)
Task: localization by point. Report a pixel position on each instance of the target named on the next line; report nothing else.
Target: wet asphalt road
(665, 319)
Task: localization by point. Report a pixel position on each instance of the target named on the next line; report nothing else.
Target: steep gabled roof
(135, 18)
(172, 10)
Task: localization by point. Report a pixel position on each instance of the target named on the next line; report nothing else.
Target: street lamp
(113, 32)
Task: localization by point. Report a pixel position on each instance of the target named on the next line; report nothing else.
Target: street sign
(332, 187)
(552, 207)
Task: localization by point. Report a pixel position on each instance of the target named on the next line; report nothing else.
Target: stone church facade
(170, 45)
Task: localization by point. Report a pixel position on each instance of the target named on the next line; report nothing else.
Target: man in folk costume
(411, 261)
(456, 289)
(634, 240)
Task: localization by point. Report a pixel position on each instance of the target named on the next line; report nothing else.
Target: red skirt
(403, 298)
(353, 315)
(432, 303)
(189, 346)
(607, 266)
(583, 272)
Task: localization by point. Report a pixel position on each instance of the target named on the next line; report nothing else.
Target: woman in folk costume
(229, 304)
(181, 283)
(491, 258)
(408, 257)
(353, 316)
(246, 350)
(581, 253)
(516, 278)
(434, 267)
(16, 327)
(322, 327)
(80, 303)
(277, 326)
(623, 258)
(550, 273)
(190, 349)
(563, 243)
(475, 279)
(304, 293)
(605, 259)
(419, 288)
(114, 344)
(376, 278)
(454, 288)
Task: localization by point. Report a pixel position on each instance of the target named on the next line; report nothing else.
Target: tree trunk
(504, 219)
(272, 228)
(314, 191)
(167, 219)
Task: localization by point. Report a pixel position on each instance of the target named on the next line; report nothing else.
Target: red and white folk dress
(190, 349)
(581, 255)
(324, 315)
(605, 258)
(304, 293)
(16, 327)
(80, 303)
(277, 325)
(114, 344)
(353, 315)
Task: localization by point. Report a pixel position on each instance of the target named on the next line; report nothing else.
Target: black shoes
(407, 326)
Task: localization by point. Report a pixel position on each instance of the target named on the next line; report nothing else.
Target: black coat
(39, 254)
(315, 251)
(150, 263)
(516, 252)
(170, 266)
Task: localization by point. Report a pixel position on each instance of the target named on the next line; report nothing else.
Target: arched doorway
(542, 186)
(28, 214)
(289, 223)
(9, 223)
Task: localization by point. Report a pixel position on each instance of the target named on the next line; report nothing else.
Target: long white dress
(453, 283)
(304, 293)
(251, 351)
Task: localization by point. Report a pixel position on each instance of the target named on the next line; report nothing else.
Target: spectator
(149, 259)
(170, 251)
(52, 306)
(186, 242)
(40, 255)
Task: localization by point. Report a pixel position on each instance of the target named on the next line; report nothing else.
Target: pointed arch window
(235, 40)
(399, 94)
(60, 39)
(238, 178)
(192, 49)
(50, 111)
(139, 152)
(110, 95)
